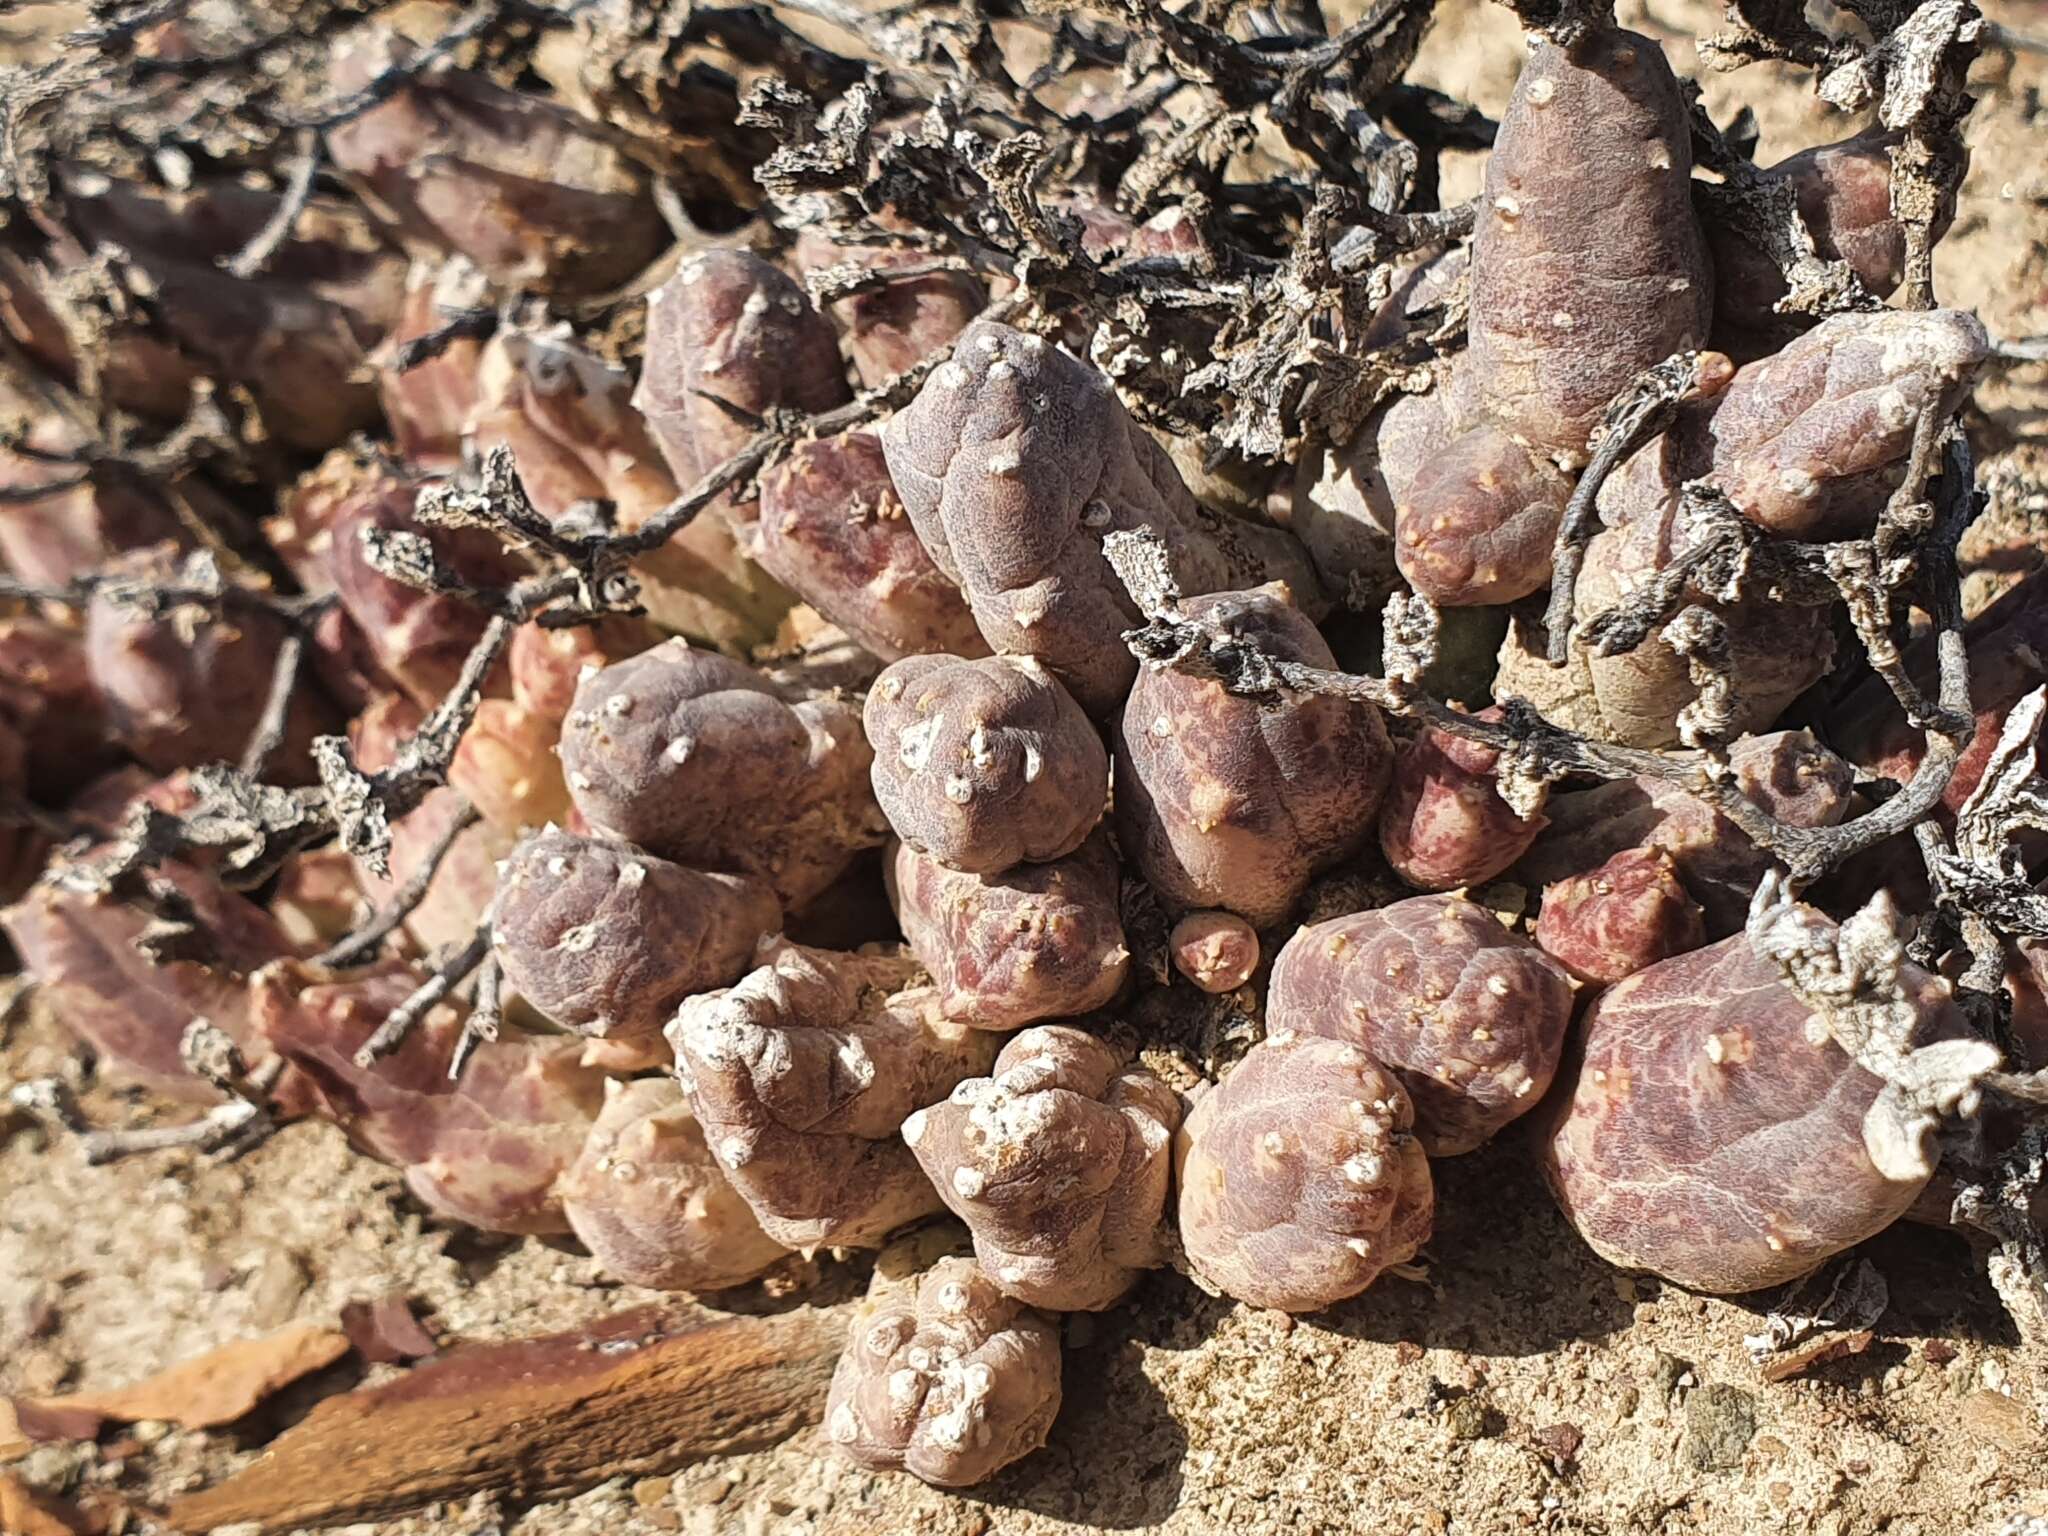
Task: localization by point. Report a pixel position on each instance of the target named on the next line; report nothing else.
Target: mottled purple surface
(833, 530)
(608, 940)
(1300, 1178)
(699, 759)
(1809, 442)
(1588, 265)
(1222, 802)
(1704, 1136)
(984, 764)
(733, 327)
(1014, 460)
(890, 327)
(1468, 1016)
(802, 1075)
(648, 1200)
(1620, 918)
(1789, 774)
(1039, 941)
(1444, 824)
(1478, 522)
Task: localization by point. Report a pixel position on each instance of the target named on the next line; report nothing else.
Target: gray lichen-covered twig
(243, 1120)
(1849, 975)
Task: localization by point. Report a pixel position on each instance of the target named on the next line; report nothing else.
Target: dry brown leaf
(385, 1331)
(217, 1387)
(40, 1420)
(25, 1512)
(13, 1443)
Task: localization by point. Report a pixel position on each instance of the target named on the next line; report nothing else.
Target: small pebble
(1467, 1418)
(711, 1491)
(1720, 1421)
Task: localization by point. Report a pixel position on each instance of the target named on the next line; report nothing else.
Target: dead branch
(244, 1121)
(359, 944)
(1639, 413)
(448, 975)
(472, 24)
(486, 1011)
(298, 191)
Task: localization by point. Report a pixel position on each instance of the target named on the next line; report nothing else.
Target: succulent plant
(730, 333)
(547, 665)
(984, 764)
(950, 1383)
(530, 191)
(1224, 803)
(1478, 521)
(419, 640)
(802, 1074)
(1444, 823)
(974, 833)
(506, 764)
(893, 325)
(1619, 918)
(1300, 1179)
(1469, 1017)
(1844, 193)
(833, 530)
(697, 758)
(576, 438)
(466, 878)
(1809, 441)
(646, 1197)
(1038, 941)
(1588, 265)
(1013, 461)
(608, 941)
(1059, 1162)
(1704, 1133)
(1787, 773)
(1217, 951)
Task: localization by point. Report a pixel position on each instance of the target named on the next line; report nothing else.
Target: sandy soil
(1522, 1386)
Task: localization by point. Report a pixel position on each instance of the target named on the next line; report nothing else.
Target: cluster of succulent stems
(731, 745)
